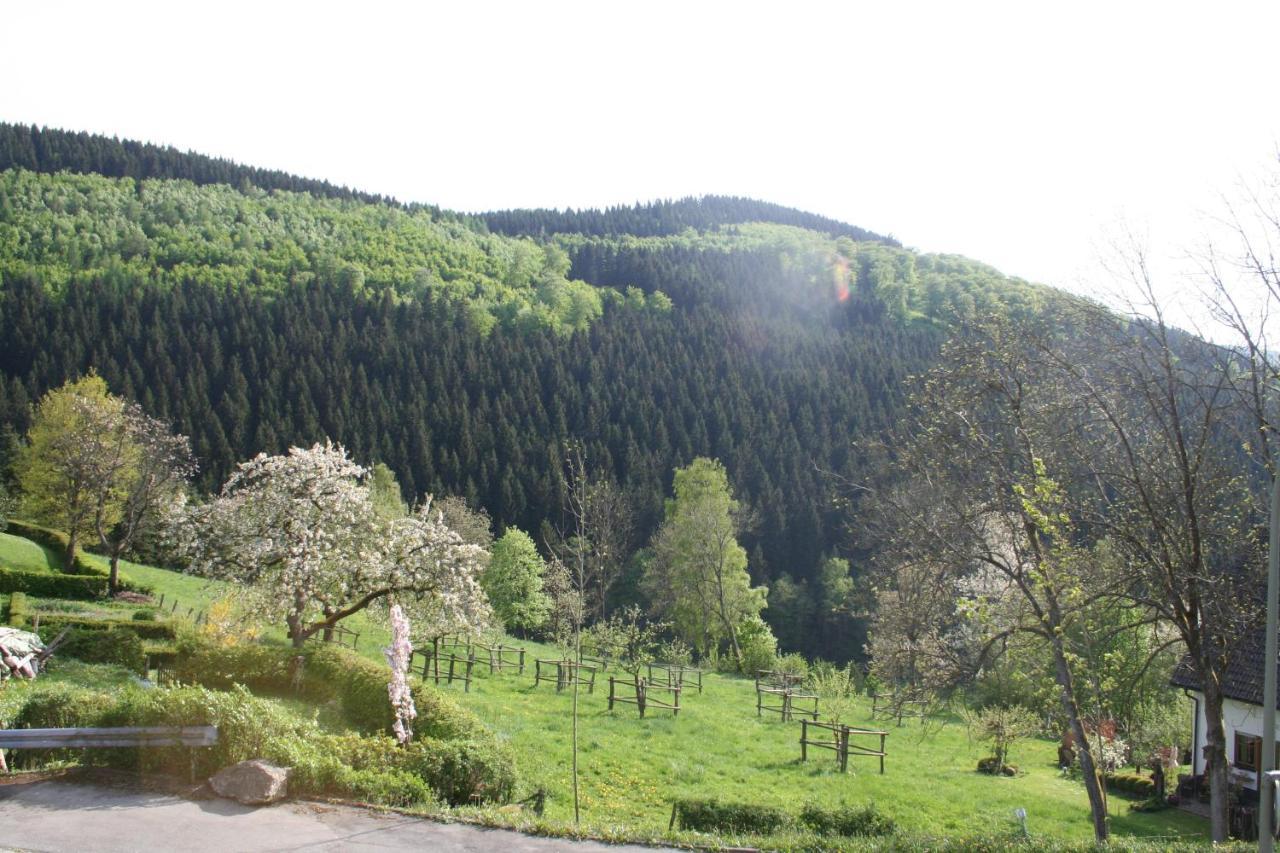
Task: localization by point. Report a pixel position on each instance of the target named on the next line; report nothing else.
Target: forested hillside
(262, 311)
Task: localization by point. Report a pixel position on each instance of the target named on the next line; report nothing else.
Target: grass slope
(717, 747)
(631, 768)
(19, 553)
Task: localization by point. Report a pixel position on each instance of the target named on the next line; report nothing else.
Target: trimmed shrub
(19, 609)
(144, 616)
(260, 668)
(331, 673)
(60, 706)
(1132, 783)
(142, 630)
(52, 585)
(847, 820)
(991, 765)
(123, 648)
(459, 772)
(712, 815)
(463, 772)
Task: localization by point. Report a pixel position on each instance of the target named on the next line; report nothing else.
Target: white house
(1241, 712)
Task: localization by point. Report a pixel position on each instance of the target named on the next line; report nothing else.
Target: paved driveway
(71, 816)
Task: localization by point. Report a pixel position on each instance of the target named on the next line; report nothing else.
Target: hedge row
(55, 622)
(19, 610)
(372, 768)
(712, 815)
(57, 541)
(1133, 783)
(329, 673)
(50, 585)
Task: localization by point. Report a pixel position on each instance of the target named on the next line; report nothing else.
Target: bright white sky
(1015, 133)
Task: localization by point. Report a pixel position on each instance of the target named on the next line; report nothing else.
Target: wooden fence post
(882, 737)
(804, 740)
(640, 694)
(844, 749)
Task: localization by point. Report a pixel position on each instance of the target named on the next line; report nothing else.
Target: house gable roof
(1242, 680)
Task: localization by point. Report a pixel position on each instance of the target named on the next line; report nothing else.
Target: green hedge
(712, 815)
(370, 768)
(19, 610)
(120, 647)
(330, 673)
(1133, 783)
(142, 630)
(847, 820)
(52, 585)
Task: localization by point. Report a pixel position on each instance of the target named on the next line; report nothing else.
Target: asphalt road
(71, 816)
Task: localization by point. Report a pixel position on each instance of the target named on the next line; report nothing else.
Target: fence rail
(840, 742)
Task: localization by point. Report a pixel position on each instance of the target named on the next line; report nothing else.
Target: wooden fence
(840, 742)
(567, 673)
(675, 674)
(791, 703)
(643, 699)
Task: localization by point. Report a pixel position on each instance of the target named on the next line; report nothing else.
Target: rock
(253, 782)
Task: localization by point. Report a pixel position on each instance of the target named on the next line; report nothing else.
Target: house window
(1248, 751)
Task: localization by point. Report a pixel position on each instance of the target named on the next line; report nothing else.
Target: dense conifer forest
(255, 310)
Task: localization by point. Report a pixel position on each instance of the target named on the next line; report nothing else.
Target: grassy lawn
(631, 768)
(717, 746)
(19, 553)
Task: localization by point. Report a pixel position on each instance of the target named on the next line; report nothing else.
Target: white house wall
(1236, 717)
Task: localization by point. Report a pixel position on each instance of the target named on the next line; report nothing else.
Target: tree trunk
(113, 577)
(1215, 754)
(69, 557)
(1088, 767)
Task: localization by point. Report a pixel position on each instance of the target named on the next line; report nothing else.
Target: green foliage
(70, 230)
(78, 460)
(330, 672)
(61, 706)
(698, 579)
(90, 577)
(513, 581)
(845, 820)
(51, 623)
(1002, 726)
(52, 586)
(385, 493)
(145, 615)
(19, 610)
(759, 646)
(1133, 783)
(713, 815)
(115, 646)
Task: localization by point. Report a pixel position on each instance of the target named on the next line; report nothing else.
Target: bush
(144, 615)
(60, 706)
(123, 648)
(19, 609)
(712, 815)
(792, 664)
(330, 673)
(260, 668)
(142, 630)
(1132, 783)
(52, 585)
(758, 645)
(994, 766)
(846, 820)
(464, 771)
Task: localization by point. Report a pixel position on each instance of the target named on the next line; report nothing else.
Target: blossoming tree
(300, 534)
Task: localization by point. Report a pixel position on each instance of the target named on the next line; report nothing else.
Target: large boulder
(254, 782)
